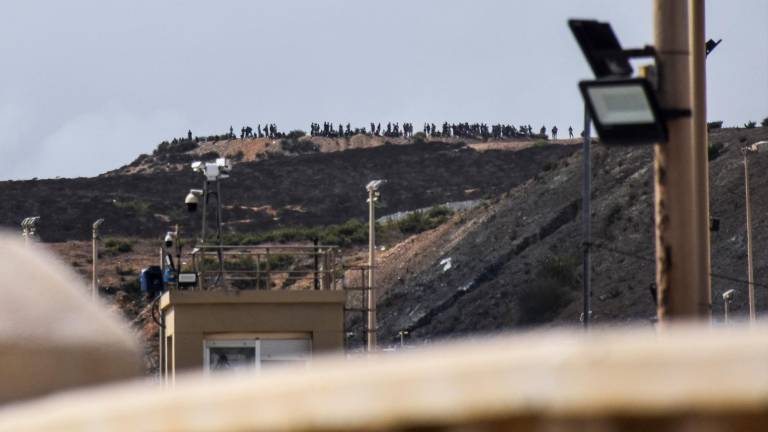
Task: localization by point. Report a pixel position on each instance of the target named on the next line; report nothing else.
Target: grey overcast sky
(88, 85)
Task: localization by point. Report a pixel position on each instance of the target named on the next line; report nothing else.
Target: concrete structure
(702, 378)
(205, 328)
(52, 336)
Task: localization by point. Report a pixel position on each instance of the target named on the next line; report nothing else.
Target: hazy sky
(88, 85)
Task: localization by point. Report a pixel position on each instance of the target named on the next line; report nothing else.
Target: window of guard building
(250, 354)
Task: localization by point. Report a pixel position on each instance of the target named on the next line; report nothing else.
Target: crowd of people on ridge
(394, 130)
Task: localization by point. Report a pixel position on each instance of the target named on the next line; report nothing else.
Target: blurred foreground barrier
(52, 335)
(686, 379)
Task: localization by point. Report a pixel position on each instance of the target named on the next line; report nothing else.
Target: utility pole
(95, 259)
(701, 146)
(587, 219)
(373, 195)
(750, 269)
(371, 257)
(682, 272)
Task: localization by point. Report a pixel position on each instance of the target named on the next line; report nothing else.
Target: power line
(651, 260)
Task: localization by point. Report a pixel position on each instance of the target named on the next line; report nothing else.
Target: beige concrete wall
(191, 315)
(53, 335)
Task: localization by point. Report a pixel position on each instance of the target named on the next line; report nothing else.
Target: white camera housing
(193, 199)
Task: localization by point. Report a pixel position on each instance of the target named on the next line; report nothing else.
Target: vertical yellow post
(701, 145)
(681, 271)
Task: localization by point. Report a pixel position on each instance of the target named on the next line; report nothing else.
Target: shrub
(115, 246)
(764, 123)
(714, 125)
(552, 290)
(420, 221)
(750, 125)
(541, 301)
(299, 147)
(209, 155)
(419, 138)
(238, 156)
(295, 134)
(713, 152)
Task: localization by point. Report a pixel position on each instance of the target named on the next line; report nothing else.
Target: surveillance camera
(728, 295)
(169, 239)
(192, 199)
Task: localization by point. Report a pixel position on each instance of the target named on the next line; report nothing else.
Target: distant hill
(270, 189)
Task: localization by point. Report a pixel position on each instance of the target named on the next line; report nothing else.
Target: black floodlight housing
(711, 45)
(625, 111)
(601, 47)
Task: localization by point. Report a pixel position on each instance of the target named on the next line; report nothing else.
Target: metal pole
(219, 231)
(701, 146)
(94, 279)
(750, 270)
(586, 216)
(681, 271)
(371, 256)
(725, 306)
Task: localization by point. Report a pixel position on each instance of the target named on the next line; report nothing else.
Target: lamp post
(95, 260)
(29, 228)
(727, 298)
(373, 196)
(754, 148)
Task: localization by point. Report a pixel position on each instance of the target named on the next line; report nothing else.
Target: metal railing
(268, 267)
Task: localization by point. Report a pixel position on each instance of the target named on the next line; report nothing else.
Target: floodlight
(374, 185)
(758, 147)
(625, 111)
(728, 295)
(601, 47)
(97, 224)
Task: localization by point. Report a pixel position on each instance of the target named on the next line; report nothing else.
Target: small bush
(714, 125)
(552, 290)
(541, 300)
(210, 155)
(115, 246)
(420, 221)
(419, 138)
(238, 156)
(299, 147)
(750, 125)
(764, 123)
(713, 152)
(295, 134)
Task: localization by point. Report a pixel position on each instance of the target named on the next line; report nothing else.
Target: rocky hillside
(318, 188)
(516, 261)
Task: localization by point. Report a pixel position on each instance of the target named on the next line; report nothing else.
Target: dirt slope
(516, 262)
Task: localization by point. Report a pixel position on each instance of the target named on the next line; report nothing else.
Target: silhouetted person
(231, 132)
(554, 132)
(570, 131)
(189, 135)
(543, 130)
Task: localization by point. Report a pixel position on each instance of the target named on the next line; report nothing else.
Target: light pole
(95, 260)
(586, 216)
(754, 148)
(214, 172)
(727, 298)
(402, 334)
(29, 228)
(373, 196)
